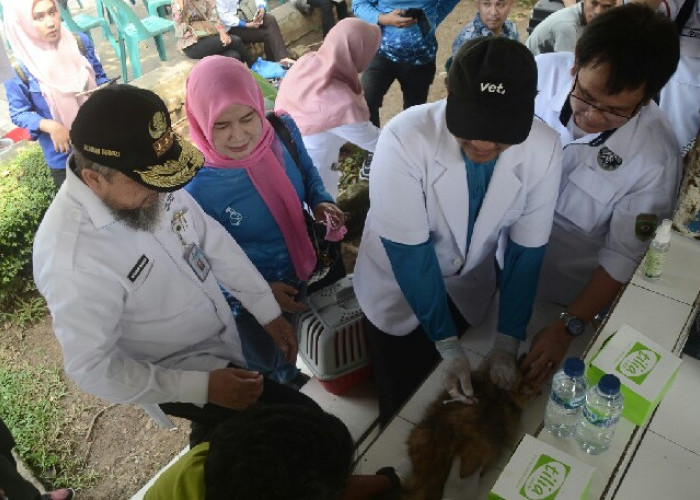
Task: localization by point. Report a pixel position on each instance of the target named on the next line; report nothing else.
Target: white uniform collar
(99, 213)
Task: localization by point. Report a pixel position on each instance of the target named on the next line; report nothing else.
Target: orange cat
(475, 435)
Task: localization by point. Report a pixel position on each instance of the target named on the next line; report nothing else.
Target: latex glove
(457, 375)
(501, 362)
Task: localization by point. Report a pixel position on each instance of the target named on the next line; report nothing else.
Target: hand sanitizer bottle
(658, 251)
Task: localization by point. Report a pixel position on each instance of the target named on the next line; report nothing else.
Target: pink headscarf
(60, 68)
(322, 90)
(214, 84)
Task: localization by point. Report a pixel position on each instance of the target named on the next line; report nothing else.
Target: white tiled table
(659, 461)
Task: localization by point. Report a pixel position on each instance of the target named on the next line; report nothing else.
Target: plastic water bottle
(600, 415)
(566, 399)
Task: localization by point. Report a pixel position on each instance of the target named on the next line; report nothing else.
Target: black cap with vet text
(129, 129)
(492, 85)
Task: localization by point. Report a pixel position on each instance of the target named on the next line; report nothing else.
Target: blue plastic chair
(133, 30)
(84, 23)
(156, 7)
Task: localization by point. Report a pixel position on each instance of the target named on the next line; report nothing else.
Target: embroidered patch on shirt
(138, 268)
(645, 226)
(607, 160)
(234, 216)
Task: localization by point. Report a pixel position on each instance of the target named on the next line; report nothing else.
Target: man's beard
(141, 219)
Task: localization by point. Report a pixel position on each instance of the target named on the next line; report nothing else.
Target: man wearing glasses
(621, 166)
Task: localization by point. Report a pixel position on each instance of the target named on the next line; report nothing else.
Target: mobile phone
(420, 17)
(414, 12)
(90, 91)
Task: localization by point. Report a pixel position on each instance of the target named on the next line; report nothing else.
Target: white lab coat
(596, 214)
(418, 189)
(135, 323)
(680, 98)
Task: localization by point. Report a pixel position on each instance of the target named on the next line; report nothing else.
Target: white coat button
(457, 262)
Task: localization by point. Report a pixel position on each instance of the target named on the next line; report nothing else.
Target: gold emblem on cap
(158, 125)
(162, 145)
(174, 172)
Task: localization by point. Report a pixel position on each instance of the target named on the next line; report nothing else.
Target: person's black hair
(279, 452)
(637, 45)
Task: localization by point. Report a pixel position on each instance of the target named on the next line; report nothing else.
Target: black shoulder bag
(329, 261)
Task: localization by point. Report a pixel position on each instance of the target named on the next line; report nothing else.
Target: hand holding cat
(501, 362)
(547, 351)
(457, 380)
(457, 375)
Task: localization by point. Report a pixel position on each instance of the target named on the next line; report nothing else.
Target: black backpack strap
(17, 67)
(81, 45)
(684, 14)
(286, 138)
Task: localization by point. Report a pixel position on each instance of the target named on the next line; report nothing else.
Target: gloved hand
(501, 362)
(457, 375)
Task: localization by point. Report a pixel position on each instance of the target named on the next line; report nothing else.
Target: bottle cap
(663, 232)
(574, 367)
(609, 384)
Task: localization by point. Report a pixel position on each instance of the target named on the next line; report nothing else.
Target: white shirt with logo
(136, 323)
(609, 187)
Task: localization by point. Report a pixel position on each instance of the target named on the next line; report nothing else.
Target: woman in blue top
(251, 184)
(53, 76)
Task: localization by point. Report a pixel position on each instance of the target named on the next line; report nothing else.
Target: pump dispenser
(658, 251)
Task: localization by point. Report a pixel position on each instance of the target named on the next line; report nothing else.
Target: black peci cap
(128, 128)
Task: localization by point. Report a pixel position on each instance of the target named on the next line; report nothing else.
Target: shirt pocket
(586, 198)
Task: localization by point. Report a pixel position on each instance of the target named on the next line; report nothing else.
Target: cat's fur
(474, 434)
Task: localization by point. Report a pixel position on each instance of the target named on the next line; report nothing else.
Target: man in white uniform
(446, 179)
(621, 167)
(130, 267)
(680, 98)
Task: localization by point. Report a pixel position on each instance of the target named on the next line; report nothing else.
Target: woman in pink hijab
(55, 68)
(323, 93)
(253, 186)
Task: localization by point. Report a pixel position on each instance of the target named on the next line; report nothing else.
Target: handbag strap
(286, 137)
(684, 14)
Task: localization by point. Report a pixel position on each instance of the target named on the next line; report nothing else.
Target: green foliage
(30, 398)
(351, 160)
(353, 193)
(26, 310)
(26, 190)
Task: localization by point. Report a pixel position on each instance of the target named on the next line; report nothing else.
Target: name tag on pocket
(197, 261)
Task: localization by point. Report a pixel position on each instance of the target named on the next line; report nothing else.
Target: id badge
(197, 261)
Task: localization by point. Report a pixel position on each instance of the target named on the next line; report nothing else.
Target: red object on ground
(18, 134)
(341, 384)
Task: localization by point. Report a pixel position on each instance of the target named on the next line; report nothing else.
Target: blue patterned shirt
(406, 45)
(477, 28)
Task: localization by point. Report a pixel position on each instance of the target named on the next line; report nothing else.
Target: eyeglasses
(614, 119)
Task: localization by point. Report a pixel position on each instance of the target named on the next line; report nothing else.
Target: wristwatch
(574, 326)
